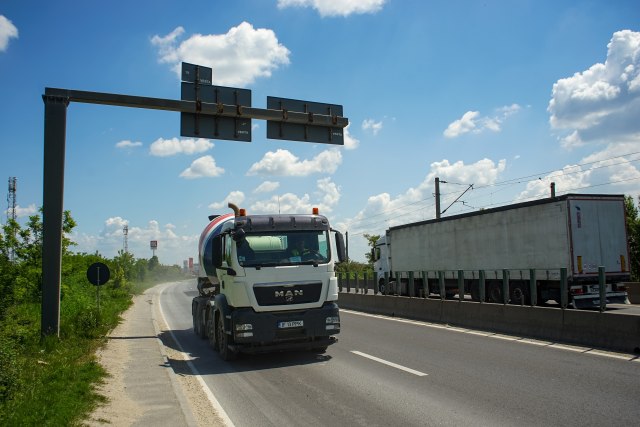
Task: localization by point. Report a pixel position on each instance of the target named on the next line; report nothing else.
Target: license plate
(291, 324)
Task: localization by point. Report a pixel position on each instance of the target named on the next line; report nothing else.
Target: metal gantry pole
(55, 123)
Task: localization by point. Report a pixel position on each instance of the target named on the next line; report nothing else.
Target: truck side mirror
(238, 235)
(216, 250)
(342, 253)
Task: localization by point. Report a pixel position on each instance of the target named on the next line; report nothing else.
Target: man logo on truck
(288, 296)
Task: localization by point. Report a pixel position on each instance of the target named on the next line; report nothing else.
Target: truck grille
(287, 293)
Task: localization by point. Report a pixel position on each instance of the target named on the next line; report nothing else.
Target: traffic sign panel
(191, 72)
(305, 132)
(215, 127)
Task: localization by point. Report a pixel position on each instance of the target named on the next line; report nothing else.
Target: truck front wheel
(222, 340)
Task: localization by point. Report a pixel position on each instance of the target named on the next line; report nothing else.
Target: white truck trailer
(267, 283)
(577, 232)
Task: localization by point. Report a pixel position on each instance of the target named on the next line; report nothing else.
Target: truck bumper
(593, 301)
(273, 331)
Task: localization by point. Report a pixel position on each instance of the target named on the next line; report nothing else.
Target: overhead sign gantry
(206, 111)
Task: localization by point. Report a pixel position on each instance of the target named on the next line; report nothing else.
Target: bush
(8, 368)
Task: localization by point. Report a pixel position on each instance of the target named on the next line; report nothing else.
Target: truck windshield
(284, 248)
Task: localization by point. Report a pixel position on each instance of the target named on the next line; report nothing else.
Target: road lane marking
(558, 346)
(393, 365)
(207, 391)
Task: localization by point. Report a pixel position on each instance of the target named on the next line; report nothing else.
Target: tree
(371, 241)
(633, 236)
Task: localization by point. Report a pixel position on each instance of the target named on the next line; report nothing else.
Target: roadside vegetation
(52, 381)
(633, 236)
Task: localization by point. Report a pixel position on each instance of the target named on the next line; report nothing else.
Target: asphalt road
(386, 371)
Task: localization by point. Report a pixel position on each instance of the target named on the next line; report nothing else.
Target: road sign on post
(310, 131)
(196, 86)
(209, 112)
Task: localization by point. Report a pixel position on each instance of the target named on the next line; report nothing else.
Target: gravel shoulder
(142, 388)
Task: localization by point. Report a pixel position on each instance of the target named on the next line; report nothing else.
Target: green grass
(52, 382)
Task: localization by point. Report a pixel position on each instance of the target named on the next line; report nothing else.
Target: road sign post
(207, 111)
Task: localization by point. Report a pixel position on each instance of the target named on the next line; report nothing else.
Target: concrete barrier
(633, 289)
(609, 331)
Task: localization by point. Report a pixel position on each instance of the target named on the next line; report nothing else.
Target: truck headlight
(244, 330)
(333, 323)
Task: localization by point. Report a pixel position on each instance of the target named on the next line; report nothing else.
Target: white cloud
(170, 147)
(284, 163)
(203, 167)
(350, 142)
(418, 203)
(572, 141)
(237, 58)
(329, 192)
(472, 121)
(235, 197)
(22, 212)
(128, 144)
(326, 197)
(461, 126)
(605, 167)
(601, 103)
(172, 247)
(372, 125)
(8, 31)
(267, 187)
(336, 7)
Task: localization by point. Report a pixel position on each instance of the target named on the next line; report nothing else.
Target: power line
(469, 208)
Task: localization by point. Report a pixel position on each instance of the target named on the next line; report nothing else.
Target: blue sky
(505, 95)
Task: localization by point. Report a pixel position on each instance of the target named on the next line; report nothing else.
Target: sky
(499, 98)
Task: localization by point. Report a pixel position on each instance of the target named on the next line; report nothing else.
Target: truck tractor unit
(573, 233)
(267, 283)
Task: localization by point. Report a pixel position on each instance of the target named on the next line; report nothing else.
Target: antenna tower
(11, 212)
(125, 231)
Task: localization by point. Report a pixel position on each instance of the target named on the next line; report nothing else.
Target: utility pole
(437, 198)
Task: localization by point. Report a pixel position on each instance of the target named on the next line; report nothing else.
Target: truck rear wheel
(198, 325)
(222, 340)
(211, 332)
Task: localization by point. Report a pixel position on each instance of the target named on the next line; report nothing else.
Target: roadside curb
(182, 399)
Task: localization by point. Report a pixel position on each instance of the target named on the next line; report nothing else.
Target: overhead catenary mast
(11, 212)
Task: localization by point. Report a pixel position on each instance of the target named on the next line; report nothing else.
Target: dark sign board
(301, 132)
(191, 71)
(201, 126)
(98, 274)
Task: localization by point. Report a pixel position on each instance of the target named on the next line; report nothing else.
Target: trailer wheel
(223, 343)
(381, 285)
(474, 290)
(519, 293)
(495, 292)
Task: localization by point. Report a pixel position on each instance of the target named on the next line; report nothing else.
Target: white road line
(393, 365)
(558, 346)
(212, 399)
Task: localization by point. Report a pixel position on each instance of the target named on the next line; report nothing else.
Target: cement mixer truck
(267, 283)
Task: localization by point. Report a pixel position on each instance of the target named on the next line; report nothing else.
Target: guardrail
(418, 284)
(613, 331)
